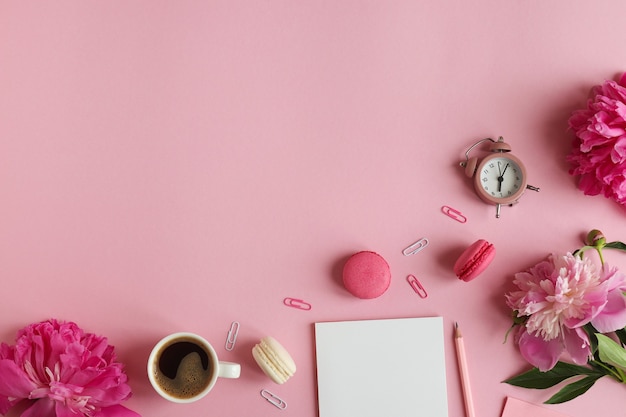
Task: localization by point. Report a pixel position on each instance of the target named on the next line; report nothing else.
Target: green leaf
(573, 390)
(616, 245)
(534, 378)
(611, 352)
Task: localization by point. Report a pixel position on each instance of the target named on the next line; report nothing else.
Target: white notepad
(381, 368)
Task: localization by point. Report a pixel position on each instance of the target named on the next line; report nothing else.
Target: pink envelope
(519, 408)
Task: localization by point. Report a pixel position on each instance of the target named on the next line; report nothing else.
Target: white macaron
(274, 360)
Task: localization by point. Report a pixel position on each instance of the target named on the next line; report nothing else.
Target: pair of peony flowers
(560, 299)
(57, 369)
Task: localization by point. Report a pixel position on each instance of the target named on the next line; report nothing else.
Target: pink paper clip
(454, 214)
(417, 286)
(295, 303)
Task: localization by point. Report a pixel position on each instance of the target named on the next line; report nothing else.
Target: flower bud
(595, 238)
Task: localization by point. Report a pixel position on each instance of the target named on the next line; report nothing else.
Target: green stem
(600, 255)
(614, 373)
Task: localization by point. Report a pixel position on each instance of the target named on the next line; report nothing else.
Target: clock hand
(501, 177)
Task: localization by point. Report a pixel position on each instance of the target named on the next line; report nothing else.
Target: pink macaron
(474, 260)
(366, 275)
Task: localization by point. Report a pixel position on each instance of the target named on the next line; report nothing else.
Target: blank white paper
(381, 368)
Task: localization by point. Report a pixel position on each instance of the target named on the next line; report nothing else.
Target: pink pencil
(465, 382)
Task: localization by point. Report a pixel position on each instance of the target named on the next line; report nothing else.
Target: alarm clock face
(500, 179)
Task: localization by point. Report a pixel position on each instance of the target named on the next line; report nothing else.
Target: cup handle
(229, 370)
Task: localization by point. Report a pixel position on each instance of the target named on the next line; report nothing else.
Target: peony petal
(589, 185)
(579, 119)
(7, 352)
(576, 344)
(614, 278)
(540, 353)
(110, 388)
(14, 382)
(595, 301)
(41, 408)
(116, 411)
(61, 410)
(618, 153)
(613, 315)
(6, 405)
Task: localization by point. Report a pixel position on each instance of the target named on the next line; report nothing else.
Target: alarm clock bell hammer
(500, 177)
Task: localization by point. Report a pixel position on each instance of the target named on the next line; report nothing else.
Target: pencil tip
(456, 325)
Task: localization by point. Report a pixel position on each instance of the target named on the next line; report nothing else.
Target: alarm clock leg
(498, 210)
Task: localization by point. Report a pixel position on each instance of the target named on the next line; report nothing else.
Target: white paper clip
(415, 247)
(295, 303)
(454, 214)
(273, 399)
(417, 286)
(232, 336)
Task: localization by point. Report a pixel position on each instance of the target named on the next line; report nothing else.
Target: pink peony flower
(598, 155)
(62, 371)
(556, 298)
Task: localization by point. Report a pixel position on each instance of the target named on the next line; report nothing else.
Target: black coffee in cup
(184, 368)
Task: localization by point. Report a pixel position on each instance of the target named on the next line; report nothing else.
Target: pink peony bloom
(598, 155)
(62, 371)
(557, 297)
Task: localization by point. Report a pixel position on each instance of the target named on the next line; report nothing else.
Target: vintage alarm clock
(500, 177)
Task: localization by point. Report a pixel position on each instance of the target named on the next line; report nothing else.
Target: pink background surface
(170, 166)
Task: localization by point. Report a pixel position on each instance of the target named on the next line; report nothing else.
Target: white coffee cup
(183, 367)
